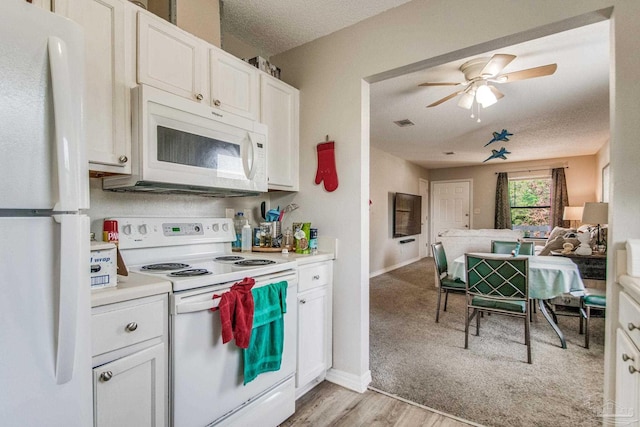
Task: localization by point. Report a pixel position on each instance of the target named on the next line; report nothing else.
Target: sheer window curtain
(559, 198)
(503, 207)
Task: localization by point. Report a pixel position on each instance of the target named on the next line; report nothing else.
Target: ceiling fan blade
(446, 98)
(496, 92)
(440, 84)
(529, 73)
(497, 64)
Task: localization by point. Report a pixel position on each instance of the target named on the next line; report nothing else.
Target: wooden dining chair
(446, 282)
(500, 247)
(497, 285)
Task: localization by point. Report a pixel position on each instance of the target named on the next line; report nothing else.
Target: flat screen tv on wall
(407, 213)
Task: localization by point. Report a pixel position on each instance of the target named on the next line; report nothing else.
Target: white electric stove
(191, 252)
(195, 255)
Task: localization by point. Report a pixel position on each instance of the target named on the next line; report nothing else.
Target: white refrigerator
(45, 354)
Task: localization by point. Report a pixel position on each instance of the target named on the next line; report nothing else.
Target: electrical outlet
(229, 213)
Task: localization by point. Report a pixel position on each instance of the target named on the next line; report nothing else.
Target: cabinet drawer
(126, 326)
(629, 317)
(312, 276)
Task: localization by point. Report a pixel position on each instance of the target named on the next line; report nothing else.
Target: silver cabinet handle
(316, 277)
(631, 326)
(106, 376)
(632, 370)
(199, 97)
(131, 327)
(626, 357)
(216, 102)
(123, 159)
(303, 301)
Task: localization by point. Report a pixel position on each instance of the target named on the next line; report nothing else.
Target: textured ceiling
(566, 114)
(274, 26)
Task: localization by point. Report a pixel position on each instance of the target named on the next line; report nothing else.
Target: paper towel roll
(633, 257)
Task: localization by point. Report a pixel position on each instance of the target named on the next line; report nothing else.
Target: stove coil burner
(254, 262)
(229, 258)
(190, 273)
(166, 266)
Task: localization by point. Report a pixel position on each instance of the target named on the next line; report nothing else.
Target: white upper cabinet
(106, 100)
(171, 59)
(280, 111)
(234, 84)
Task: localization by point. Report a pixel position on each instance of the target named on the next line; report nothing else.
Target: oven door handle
(191, 307)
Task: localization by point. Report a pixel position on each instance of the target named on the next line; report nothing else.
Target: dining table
(549, 277)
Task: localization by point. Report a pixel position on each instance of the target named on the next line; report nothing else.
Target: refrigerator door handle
(70, 270)
(67, 138)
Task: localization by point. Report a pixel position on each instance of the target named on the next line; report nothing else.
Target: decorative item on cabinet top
(264, 65)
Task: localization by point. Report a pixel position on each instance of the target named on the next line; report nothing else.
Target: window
(530, 201)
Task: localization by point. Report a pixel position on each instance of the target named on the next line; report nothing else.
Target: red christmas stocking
(327, 166)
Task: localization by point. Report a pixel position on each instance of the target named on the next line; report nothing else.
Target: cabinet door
(627, 379)
(131, 391)
(279, 110)
(313, 334)
(106, 98)
(171, 59)
(234, 84)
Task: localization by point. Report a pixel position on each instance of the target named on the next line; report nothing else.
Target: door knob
(631, 326)
(131, 327)
(626, 357)
(199, 97)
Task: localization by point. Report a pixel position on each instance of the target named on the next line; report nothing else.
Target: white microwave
(181, 146)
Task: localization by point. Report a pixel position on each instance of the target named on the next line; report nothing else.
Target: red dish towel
(236, 312)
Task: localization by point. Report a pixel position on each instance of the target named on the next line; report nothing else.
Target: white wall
(581, 182)
(105, 204)
(390, 174)
(334, 100)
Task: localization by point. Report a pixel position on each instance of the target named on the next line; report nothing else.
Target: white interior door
(451, 204)
(424, 222)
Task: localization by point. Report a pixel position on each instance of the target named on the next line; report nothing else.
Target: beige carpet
(490, 383)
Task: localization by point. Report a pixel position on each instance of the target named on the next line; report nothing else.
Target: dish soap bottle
(246, 236)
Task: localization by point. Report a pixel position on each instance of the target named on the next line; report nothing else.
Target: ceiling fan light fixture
(485, 96)
(466, 100)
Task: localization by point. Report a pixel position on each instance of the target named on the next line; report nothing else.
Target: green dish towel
(264, 353)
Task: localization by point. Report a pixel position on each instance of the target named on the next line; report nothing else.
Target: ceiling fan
(480, 72)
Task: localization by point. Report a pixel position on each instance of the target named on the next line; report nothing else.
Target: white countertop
(137, 285)
(130, 287)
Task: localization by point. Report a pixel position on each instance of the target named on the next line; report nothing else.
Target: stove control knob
(127, 229)
(143, 229)
(216, 227)
(225, 227)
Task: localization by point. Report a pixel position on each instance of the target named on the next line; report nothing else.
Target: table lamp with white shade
(573, 214)
(598, 214)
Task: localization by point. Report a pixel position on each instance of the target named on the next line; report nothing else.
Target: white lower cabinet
(627, 405)
(314, 324)
(130, 374)
(130, 391)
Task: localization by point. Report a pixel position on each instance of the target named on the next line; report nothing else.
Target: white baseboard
(350, 381)
(393, 267)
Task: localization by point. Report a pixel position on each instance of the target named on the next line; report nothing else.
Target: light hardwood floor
(331, 405)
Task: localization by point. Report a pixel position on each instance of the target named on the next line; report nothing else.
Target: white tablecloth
(549, 276)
